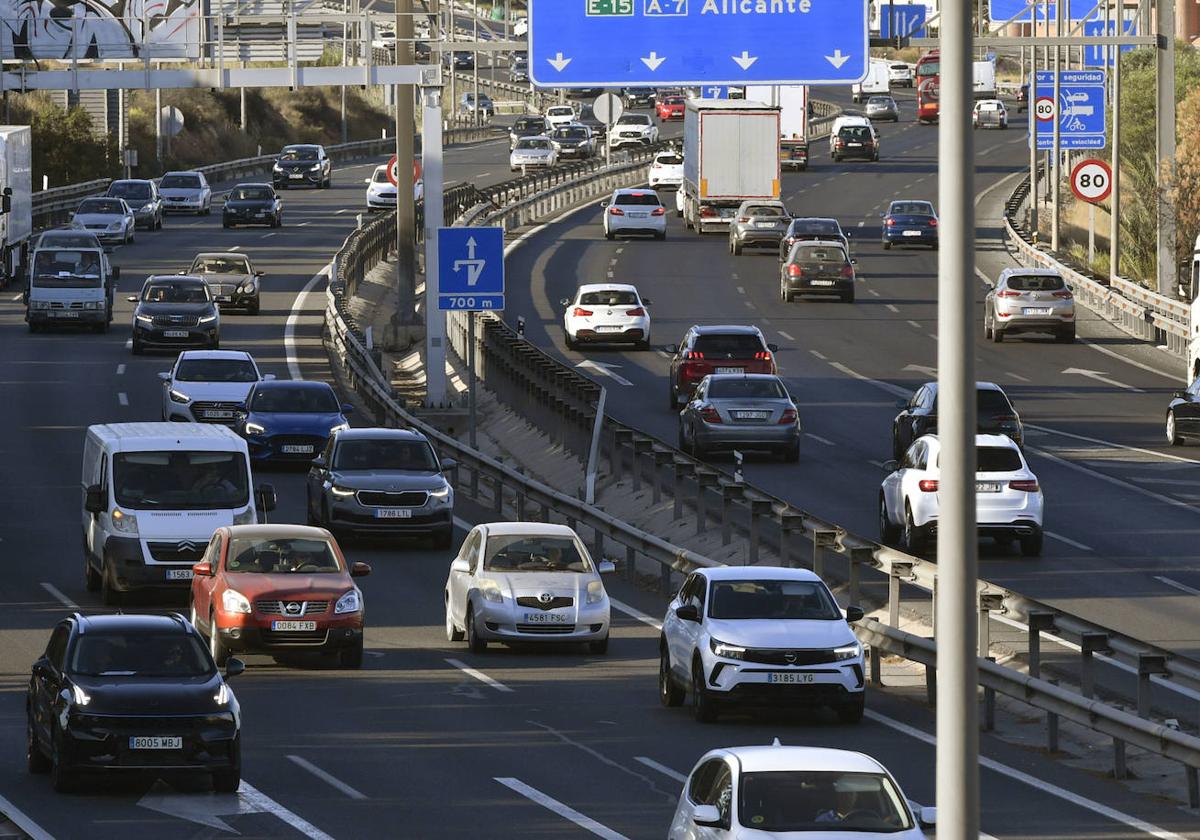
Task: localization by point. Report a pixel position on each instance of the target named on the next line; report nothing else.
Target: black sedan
(131, 693)
(1183, 415)
(252, 204)
(175, 311)
(808, 228)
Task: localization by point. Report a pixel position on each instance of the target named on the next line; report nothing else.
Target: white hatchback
(1008, 497)
(209, 386)
(560, 115)
(666, 170)
(631, 211)
(606, 313)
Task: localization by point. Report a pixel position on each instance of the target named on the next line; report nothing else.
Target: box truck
(983, 77)
(877, 83)
(793, 120)
(16, 201)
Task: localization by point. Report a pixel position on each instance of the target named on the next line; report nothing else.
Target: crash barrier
(721, 500)
(1134, 309)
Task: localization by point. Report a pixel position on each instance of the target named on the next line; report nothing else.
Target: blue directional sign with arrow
(470, 268)
(615, 43)
(902, 21)
(714, 92)
(1080, 110)
(1094, 56)
(1002, 10)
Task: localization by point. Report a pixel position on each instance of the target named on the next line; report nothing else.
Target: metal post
(406, 218)
(471, 378)
(1056, 161)
(475, 64)
(1089, 644)
(435, 320)
(450, 35)
(1091, 233)
(1114, 223)
(1030, 96)
(1052, 728)
(1039, 621)
(957, 679)
(158, 126)
(593, 464)
(1168, 280)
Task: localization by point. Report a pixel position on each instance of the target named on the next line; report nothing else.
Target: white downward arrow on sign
(1099, 376)
(653, 61)
(837, 59)
(559, 63)
(745, 59)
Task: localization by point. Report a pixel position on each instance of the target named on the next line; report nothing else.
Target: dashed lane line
(22, 821)
(820, 439)
(661, 768)
(914, 325)
(786, 335)
(123, 398)
(59, 596)
(891, 307)
(328, 778)
(1060, 538)
(565, 811)
(479, 675)
(1174, 584)
(252, 796)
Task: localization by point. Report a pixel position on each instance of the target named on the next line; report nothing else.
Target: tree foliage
(65, 146)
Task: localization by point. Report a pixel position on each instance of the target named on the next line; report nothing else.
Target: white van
(877, 83)
(153, 493)
(70, 281)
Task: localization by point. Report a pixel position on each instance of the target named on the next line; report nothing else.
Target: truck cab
(70, 282)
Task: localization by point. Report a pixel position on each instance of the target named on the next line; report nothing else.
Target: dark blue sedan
(290, 421)
(910, 223)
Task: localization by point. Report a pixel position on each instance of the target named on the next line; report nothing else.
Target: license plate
(790, 679)
(179, 574)
(546, 618)
(293, 626)
(296, 176)
(219, 414)
(608, 328)
(764, 224)
(854, 145)
(393, 513)
(912, 233)
(730, 370)
(1035, 311)
(637, 215)
(752, 415)
(296, 449)
(987, 486)
(822, 282)
(155, 742)
(176, 333)
(223, 298)
(65, 314)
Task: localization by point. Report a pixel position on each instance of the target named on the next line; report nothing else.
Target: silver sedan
(882, 108)
(741, 412)
(109, 218)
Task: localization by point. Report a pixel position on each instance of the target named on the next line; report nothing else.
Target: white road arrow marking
(837, 59)
(603, 369)
(1099, 376)
(203, 808)
(653, 61)
(928, 371)
(559, 63)
(744, 60)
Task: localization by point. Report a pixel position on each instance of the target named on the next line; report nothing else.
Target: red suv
(721, 349)
(277, 589)
(670, 108)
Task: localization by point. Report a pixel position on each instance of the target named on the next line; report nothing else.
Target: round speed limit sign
(1091, 180)
(1044, 108)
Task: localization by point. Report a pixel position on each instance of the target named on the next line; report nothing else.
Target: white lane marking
(564, 811)
(892, 308)
(235, 248)
(877, 464)
(610, 274)
(661, 768)
(123, 398)
(1174, 584)
(604, 369)
(343, 210)
(261, 801)
(873, 292)
(741, 290)
(818, 354)
(1110, 445)
(1068, 541)
(18, 818)
(59, 596)
(862, 224)
(933, 336)
(120, 370)
(820, 439)
(266, 236)
(613, 261)
(128, 343)
(289, 329)
(914, 325)
(479, 675)
(621, 250)
(1099, 376)
(1034, 782)
(883, 386)
(1142, 491)
(785, 335)
(634, 612)
(302, 224)
(328, 778)
(748, 303)
(1015, 376)
(16, 298)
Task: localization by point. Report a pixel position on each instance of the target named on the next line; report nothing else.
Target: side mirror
(449, 465)
(164, 375)
(1180, 395)
(233, 667)
(265, 497)
(132, 299)
(853, 614)
(707, 815)
(360, 569)
(606, 567)
(774, 348)
(347, 409)
(688, 612)
(268, 377)
(94, 503)
(461, 565)
(319, 462)
(927, 816)
(564, 301)
(202, 569)
(604, 203)
(366, 180)
(891, 466)
(6, 200)
(673, 349)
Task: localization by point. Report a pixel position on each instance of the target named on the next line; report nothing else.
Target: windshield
(101, 206)
(415, 455)
(561, 111)
(765, 210)
(761, 388)
(381, 176)
(996, 459)
(295, 400)
(929, 68)
(674, 100)
(609, 297)
(527, 553)
(818, 254)
(251, 194)
(215, 370)
(571, 133)
(129, 189)
(911, 208)
(299, 153)
(527, 123)
(127, 654)
(220, 265)
(250, 555)
(176, 293)
(67, 269)
(735, 346)
(634, 119)
(817, 227)
(788, 599)
(823, 801)
(180, 182)
(181, 480)
(1035, 282)
(879, 100)
(534, 143)
(669, 160)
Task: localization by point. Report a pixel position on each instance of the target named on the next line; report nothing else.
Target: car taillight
(658, 211)
(616, 211)
(707, 211)
(693, 355)
(580, 312)
(636, 313)
(709, 415)
(1024, 486)
(789, 416)
(762, 356)
(839, 142)
(933, 222)
(1005, 418)
(743, 219)
(890, 222)
(794, 270)
(1008, 293)
(928, 485)
(656, 166)
(848, 271)
(1064, 294)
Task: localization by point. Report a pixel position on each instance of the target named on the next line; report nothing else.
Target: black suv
(302, 165)
(129, 693)
(174, 311)
(918, 416)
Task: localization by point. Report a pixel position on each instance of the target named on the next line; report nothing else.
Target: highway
(428, 740)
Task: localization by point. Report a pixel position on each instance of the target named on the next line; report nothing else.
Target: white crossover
(606, 313)
(526, 582)
(633, 130)
(209, 386)
(666, 170)
(560, 115)
(634, 211)
(758, 635)
(534, 151)
(1008, 497)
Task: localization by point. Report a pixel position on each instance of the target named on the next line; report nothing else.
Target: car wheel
(475, 642)
(62, 779)
(852, 712)
(128, 237)
(848, 297)
(1173, 436)
(572, 344)
(987, 329)
(609, 235)
(887, 246)
(1031, 546)
(704, 708)
(225, 224)
(192, 615)
(252, 309)
(229, 779)
(216, 647)
(791, 454)
(35, 760)
(643, 345)
(599, 646)
(914, 535)
(351, 657)
(888, 531)
(785, 294)
(91, 578)
(997, 334)
(137, 348)
(672, 403)
(735, 248)
(660, 236)
(453, 634)
(669, 692)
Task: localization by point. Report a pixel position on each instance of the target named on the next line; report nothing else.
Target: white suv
(209, 386)
(633, 130)
(560, 115)
(760, 635)
(634, 211)
(1007, 493)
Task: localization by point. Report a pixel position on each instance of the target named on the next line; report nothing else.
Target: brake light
(1005, 418)
(707, 211)
(743, 219)
(928, 485)
(616, 211)
(789, 416)
(1024, 485)
(890, 221)
(580, 312)
(693, 354)
(1008, 293)
(839, 142)
(933, 222)
(709, 415)
(658, 211)
(1064, 294)
(762, 356)
(795, 270)
(848, 271)
(639, 312)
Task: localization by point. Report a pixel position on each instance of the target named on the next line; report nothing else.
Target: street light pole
(1168, 280)
(406, 220)
(1056, 162)
(1114, 223)
(1030, 103)
(957, 540)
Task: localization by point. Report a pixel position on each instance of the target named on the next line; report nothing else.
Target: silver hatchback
(758, 224)
(1033, 300)
(882, 108)
(743, 412)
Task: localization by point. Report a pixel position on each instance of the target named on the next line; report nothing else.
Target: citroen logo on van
(185, 545)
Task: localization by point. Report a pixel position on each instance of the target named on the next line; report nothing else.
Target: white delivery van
(70, 282)
(153, 493)
(877, 83)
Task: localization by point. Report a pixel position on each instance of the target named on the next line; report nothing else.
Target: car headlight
(351, 602)
(851, 651)
(94, 304)
(314, 167)
(277, 168)
(255, 429)
(246, 517)
(124, 522)
(221, 698)
(233, 601)
(726, 651)
(145, 319)
(441, 493)
(81, 697)
(247, 287)
(490, 590)
(340, 427)
(208, 319)
(342, 492)
(179, 396)
(39, 304)
(595, 592)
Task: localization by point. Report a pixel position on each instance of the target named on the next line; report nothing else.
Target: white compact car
(533, 151)
(778, 791)
(520, 27)
(560, 115)
(1007, 493)
(989, 113)
(630, 211)
(757, 635)
(381, 195)
(186, 192)
(526, 582)
(900, 75)
(209, 386)
(633, 130)
(667, 170)
(606, 313)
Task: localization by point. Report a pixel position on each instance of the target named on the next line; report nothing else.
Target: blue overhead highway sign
(1081, 112)
(714, 92)
(470, 268)
(618, 43)
(901, 21)
(1001, 10)
(1094, 56)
